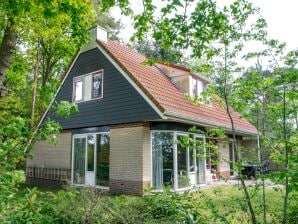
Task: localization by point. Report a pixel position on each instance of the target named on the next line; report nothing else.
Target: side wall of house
(50, 164)
(130, 158)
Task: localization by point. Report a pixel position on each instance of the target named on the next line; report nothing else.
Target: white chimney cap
(98, 33)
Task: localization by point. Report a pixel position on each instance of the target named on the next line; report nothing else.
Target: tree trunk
(227, 107)
(284, 219)
(34, 86)
(246, 194)
(8, 45)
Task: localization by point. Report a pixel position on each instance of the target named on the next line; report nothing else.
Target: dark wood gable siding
(121, 103)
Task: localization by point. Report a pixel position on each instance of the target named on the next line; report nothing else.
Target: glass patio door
(79, 159)
(91, 157)
(90, 161)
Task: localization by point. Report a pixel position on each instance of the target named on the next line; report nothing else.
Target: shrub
(89, 205)
(176, 208)
(32, 206)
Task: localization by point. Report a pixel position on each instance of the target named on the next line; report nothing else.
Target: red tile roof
(165, 95)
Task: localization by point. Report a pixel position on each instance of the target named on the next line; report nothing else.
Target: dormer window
(198, 86)
(195, 87)
(88, 87)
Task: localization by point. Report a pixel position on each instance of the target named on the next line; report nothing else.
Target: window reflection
(162, 148)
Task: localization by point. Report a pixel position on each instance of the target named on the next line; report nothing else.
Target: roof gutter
(205, 122)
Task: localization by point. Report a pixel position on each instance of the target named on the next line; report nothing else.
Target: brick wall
(224, 166)
(130, 158)
(52, 156)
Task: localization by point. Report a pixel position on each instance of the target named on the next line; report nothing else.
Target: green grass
(229, 204)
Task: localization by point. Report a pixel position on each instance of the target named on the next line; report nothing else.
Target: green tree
(211, 33)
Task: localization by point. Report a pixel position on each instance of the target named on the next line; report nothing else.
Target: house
(130, 115)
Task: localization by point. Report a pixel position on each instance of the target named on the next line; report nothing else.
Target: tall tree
(67, 20)
(211, 33)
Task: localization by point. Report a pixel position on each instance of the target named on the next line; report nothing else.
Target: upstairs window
(88, 87)
(194, 87)
(198, 87)
(96, 86)
(78, 92)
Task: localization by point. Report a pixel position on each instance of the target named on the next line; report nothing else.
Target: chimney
(98, 33)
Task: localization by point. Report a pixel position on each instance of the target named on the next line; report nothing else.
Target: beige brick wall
(52, 156)
(223, 146)
(130, 158)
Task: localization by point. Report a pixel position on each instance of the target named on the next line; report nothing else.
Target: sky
(281, 17)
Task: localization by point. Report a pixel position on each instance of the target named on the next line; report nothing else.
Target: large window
(79, 160)
(182, 163)
(102, 159)
(175, 165)
(88, 87)
(200, 159)
(162, 155)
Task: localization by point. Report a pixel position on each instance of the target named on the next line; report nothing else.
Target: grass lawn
(228, 202)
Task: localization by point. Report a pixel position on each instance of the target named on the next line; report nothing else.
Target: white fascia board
(156, 109)
(204, 122)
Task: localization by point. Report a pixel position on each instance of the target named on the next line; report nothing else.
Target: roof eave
(206, 123)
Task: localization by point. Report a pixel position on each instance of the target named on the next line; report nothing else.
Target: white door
(90, 160)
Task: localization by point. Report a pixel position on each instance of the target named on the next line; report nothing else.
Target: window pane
(183, 180)
(78, 93)
(79, 160)
(90, 153)
(162, 156)
(87, 87)
(192, 165)
(200, 160)
(97, 85)
(194, 87)
(200, 87)
(103, 159)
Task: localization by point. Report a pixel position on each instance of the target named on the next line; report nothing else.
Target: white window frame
(92, 74)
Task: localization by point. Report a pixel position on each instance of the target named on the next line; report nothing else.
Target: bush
(31, 207)
(89, 205)
(176, 208)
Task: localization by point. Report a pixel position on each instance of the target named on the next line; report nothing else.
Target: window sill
(85, 101)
